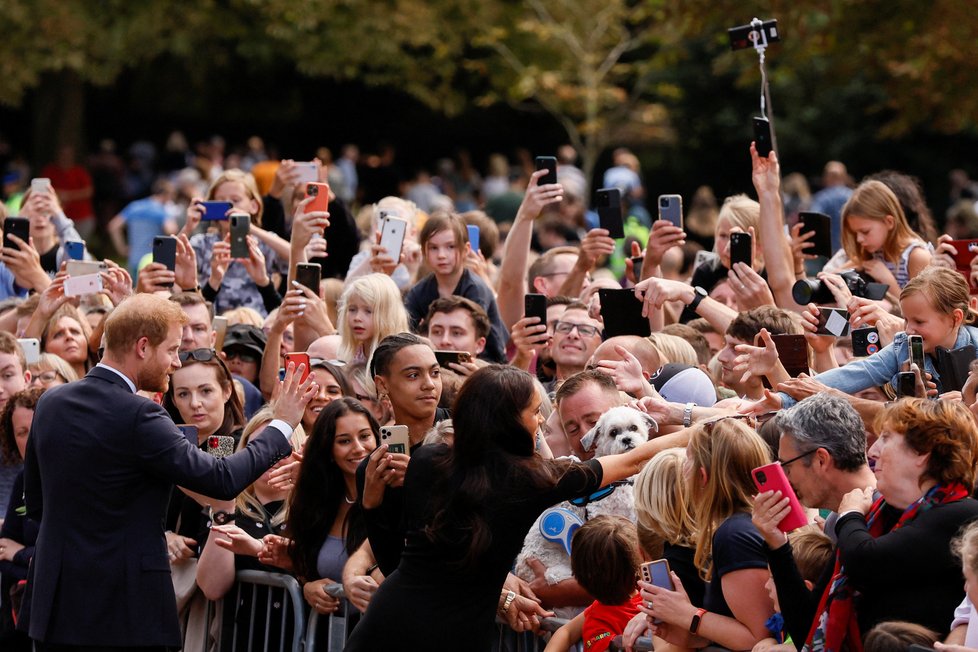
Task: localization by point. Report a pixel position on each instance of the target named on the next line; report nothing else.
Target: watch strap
(695, 623)
(698, 295)
(688, 415)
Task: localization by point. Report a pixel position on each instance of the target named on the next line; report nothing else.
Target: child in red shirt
(605, 562)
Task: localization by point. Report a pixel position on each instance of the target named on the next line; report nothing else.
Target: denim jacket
(882, 367)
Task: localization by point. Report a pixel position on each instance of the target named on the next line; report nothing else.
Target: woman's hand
(155, 277)
(52, 298)
(756, 361)
(809, 323)
(477, 264)
(315, 594)
(655, 292)
(524, 614)
(24, 263)
(314, 313)
(770, 508)
(765, 172)
(275, 552)
(378, 466)
(293, 306)
(315, 249)
(799, 242)
(195, 213)
(381, 262)
(944, 253)
(627, 372)
(286, 476)
(770, 403)
(233, 538)
(220, 259)
(185, 268)
(293, 395)
(857, 500)
(306, 225)
(536, 198)
(116, 283)
(529, 336)
(179, 547)
(671, 607)
(838, 287)
(803, 386)
(664, 236)
(254, 264)
(752, 291)
(636, 628)
(9, 548)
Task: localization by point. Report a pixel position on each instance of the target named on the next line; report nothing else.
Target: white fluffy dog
(618, 430)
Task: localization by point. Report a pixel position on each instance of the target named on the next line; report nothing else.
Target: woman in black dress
(467, 509)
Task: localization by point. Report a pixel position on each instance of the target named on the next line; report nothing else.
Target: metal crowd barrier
(643, 644)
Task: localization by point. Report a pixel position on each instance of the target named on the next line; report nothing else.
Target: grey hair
(829, 422)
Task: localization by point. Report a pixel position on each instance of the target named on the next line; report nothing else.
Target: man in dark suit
(99, 466)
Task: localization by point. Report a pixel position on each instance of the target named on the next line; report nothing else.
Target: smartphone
(741, 249)
(392, 236)
(396, 438)
(771, 477)
(320, 191)
(832, 321)
(18, 226)
(821, 225)
(31, 347)
(762, 136)
(657, 573)
(548, 163)
(308, 275)
(535, 305)
(240, 228)
(793, 353)
(610, 215)
(671, 209)
(916, 343)
(865, 341)
(906, 384)
(220, 445)
(84, 267)
(165, 251)
(637, 262)
(622, 313)
(190, 432)
(964, 253)
(473, 236)
(444, 358)
(220, 327)
(41, 185)
(703, 257)
(747, 36)
(75, 249)
(306, 172)
(297, 359)
(215, 211)
(76, 286)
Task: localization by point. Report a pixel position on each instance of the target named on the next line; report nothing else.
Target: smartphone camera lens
(312, 190)
(761, 477)
(664, 203)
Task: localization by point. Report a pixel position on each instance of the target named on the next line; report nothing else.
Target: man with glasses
(576, 337)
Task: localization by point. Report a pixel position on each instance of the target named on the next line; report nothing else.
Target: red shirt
(71, 179)
(604, 622)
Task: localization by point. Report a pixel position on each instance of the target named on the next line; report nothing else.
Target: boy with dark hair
(605, 561)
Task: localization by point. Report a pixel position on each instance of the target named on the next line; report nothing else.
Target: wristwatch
(695, 623)
(221, 517)
(698, 295)
(688, 415)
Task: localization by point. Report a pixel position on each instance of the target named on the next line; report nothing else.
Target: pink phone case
(771, 477)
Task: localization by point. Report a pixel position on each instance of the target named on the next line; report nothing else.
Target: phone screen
(906, 384)
(917, 351)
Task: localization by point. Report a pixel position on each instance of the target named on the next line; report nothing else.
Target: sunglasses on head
(198, 355)
(749, 419)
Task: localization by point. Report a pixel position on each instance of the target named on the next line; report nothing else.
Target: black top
(737, 545)
(908, 574)
(680, 560)
(429, 584)
(798, 604)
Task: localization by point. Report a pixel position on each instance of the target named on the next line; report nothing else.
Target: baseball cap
(682, 383)
(245, 337)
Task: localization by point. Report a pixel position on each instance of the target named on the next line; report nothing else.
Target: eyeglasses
(46, 377)
(603, 492)
(566, 327)
(198, 355)
(796, 458)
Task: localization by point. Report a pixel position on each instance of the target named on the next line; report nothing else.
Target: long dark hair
(492, 449)
(233, 412)
(25, 398)
(315, 501)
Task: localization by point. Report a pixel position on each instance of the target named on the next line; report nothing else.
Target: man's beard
(149, 380)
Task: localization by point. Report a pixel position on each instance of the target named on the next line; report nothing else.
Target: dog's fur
(618, 430)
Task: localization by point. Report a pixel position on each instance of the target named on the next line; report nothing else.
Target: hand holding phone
(771, 477)
(548, 163)
(671, 209)
(239, 229)
(297, 359)
(18, 226)
(916, 344)
(741, 249)
(320, 192)
(396, 438)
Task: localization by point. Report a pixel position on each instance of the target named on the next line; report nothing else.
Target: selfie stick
(760, 45)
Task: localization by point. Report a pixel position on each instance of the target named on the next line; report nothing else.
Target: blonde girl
(370, 309)
(877, 238)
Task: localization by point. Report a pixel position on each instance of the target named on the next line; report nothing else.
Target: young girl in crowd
(877, 238)
(605, 560)
(370, 310)
(445, 244)
(729, 549)
(935, 305)
(241, 282)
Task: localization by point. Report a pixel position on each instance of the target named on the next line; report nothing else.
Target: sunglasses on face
(198, 355)
(241, 355)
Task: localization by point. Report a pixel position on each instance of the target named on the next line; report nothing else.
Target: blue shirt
(144, 220)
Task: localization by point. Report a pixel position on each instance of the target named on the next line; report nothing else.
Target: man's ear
(142, 348)
(480, 345)
(27, 377)
(381, 385)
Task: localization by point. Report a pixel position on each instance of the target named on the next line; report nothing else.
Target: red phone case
(321, 201)
(771, 477)
(297, 359)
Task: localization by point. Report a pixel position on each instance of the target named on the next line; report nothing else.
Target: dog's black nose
(627, 442)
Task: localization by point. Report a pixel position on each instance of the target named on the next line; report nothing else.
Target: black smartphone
(832, 321)
(18, 226)
(906, 384)
(548, 163)
(821, 225)
(762, 136)
(741, 249)
(535, 305)
(916, 343)
(445, 358)
(622, 314)
(637, 262)
(609, 212)
(671, 209)
(793, 353)
(308, 275)
(240, 228)
(165, 251)
(865, 342)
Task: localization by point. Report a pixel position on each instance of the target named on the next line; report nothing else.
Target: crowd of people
(415, 417)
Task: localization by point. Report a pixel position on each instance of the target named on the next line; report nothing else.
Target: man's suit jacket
(99, 466)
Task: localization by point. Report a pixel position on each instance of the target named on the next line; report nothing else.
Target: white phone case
(77, 286)
(392, 236)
